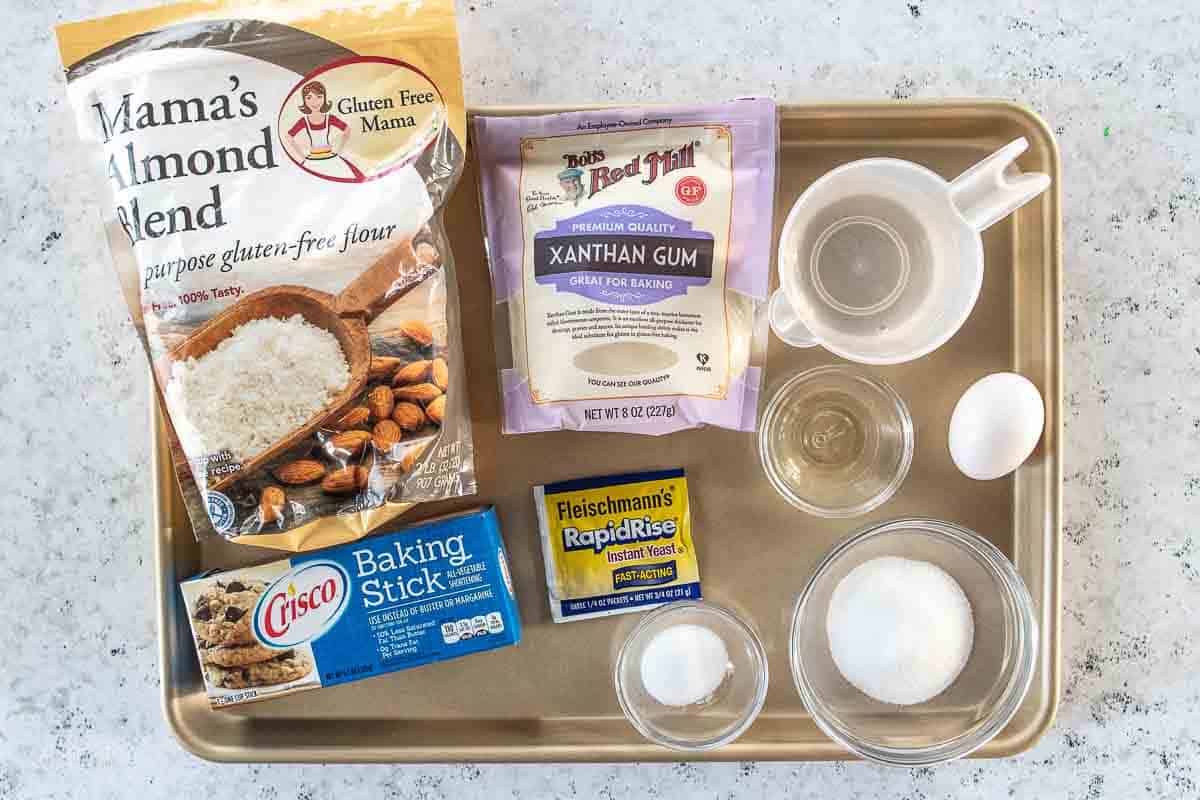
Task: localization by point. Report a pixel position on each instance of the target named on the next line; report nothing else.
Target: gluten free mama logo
(360, 118)
(302, 605)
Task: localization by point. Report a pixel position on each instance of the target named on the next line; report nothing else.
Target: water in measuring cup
(870, 265)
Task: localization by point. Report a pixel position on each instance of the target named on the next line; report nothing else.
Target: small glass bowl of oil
(835, 441)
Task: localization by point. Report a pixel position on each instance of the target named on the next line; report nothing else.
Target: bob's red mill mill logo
(649, 166)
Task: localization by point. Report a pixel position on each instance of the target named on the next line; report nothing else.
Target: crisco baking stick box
(426, 593)
(617, 543)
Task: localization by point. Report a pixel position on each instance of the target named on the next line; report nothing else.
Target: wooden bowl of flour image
(290, 317)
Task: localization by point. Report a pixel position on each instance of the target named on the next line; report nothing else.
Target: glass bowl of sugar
(691, 676)
(914, 642)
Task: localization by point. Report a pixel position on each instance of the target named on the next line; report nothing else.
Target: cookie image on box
(237, 655)
(222, 615)
(284, 668)
(233, 660)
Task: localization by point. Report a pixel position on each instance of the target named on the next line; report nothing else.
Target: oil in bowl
(835, 441)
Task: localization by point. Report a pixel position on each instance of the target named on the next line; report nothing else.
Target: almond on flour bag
(630, 258)
(274, 177)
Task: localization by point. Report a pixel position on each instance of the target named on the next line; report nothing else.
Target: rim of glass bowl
(837, 512)
(760, 695)
(1017, 599)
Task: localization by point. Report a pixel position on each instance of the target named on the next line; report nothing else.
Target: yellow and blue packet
(617, 543)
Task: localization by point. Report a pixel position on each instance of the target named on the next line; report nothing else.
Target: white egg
(995, 426)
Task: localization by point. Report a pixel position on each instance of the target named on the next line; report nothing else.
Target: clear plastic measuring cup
(880, 260)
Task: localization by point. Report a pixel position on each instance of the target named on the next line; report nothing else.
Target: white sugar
(684, 664)
(265, 380)
(900, 630)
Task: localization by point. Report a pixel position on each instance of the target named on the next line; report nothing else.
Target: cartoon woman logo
(319, 135)
(357, 119)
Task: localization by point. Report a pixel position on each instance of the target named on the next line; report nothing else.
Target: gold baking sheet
(551, 698)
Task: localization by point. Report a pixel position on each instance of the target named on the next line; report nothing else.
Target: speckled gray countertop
(1119, 82)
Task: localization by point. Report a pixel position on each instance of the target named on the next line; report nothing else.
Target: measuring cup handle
(995, 187)
(393, 275)
(787, 324)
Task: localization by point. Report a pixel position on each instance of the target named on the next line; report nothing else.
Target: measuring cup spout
(995, 187)
(787, 324)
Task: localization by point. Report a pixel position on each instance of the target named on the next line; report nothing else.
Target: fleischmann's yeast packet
(617, 543)
(427, 593)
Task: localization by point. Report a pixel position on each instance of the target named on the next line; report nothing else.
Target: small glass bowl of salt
(914, 642)
(691, 676)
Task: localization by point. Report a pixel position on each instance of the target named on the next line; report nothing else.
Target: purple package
(630, 257)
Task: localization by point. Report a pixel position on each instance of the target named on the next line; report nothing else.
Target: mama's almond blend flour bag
(630, 258)
(275, 176)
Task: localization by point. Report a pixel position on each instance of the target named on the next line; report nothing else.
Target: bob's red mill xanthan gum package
(630, 259)
(275, 177)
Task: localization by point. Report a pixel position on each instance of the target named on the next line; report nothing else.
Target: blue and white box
(430, 592)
